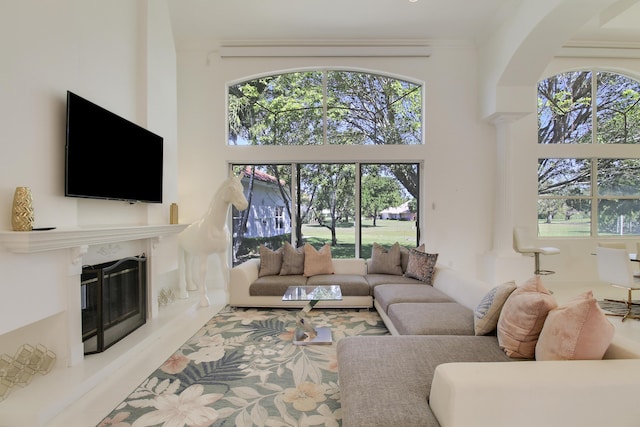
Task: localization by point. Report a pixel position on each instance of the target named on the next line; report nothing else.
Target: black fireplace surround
(114, 301)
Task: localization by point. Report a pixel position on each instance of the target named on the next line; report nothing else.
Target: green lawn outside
(562, 228)
(572, 228)
(386, 233)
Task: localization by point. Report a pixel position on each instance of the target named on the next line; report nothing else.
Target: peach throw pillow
(317, 262)
(522, 318)
(578, 330)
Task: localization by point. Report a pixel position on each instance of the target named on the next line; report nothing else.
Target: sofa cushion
(385, 295)
(349, 266)
(350, 284)
(270, 261)
(487, 313)
(386, 381)
(317, 261)
(421, 266)
(275, 285)
(439, 318)
(292, 260)
(578, 330)
(386, 261)
(522, 318)
(376, 280)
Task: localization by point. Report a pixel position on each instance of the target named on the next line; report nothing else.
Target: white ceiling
(205, 22)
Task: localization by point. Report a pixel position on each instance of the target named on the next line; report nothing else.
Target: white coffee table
(305, 334)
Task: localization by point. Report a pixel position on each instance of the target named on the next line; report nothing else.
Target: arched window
(325, 107)
(596, 191)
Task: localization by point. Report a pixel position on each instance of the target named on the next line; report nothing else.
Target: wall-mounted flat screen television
(109, 157)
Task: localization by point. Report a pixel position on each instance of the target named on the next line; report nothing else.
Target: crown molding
(324, 51)
(595, 49)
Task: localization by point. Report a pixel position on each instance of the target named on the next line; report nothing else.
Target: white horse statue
(210, 234)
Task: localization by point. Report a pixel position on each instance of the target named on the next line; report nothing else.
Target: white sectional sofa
(248, 289)
(433, 371)
(451, 378)
(267, 291)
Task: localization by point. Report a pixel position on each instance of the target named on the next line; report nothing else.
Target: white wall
(460, 155)
(120, 55)
(458, 152)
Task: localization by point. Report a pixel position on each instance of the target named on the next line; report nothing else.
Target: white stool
(523, 242)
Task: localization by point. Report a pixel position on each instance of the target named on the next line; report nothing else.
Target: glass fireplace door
(113, 302)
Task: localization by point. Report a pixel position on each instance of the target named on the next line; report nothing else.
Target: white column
(502, 263)
(502, 243)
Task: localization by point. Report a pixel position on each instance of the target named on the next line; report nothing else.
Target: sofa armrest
(589, 393)
(240, 278)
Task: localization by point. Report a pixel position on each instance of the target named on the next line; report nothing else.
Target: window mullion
(295, 203)
(594, 106)
(357, 212)
(325, 91)
(594, 197)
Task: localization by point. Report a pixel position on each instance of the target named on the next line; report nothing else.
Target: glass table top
(313, 293)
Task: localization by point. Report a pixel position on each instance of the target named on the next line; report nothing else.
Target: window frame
(325, 70)
(296, 205)
(593, 151)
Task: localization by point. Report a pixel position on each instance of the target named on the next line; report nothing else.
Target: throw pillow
(292, 260)
(317, 262)
(386, 261)
(522, 318)
(578, 330)
(487, 313)
(404, 256)
(421, 266)
(270, 261)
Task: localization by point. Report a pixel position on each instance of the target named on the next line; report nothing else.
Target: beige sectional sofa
(435, 371)
(248, 289)
(257, 283)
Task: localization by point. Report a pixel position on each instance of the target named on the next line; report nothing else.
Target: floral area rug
(242, 369)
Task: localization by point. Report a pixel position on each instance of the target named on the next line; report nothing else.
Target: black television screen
(109, 157)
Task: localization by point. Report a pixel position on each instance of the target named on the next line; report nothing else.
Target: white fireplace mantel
(75, 375)
(64, 238)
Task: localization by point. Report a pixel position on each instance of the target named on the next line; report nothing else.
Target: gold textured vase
(22, 214)
(173, 214)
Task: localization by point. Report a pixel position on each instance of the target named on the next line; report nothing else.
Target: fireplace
(113, 301)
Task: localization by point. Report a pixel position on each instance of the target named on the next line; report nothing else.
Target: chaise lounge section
(453, 361)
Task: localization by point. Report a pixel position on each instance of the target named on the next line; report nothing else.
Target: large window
(346, 205)
(596, 191)
(325, 107)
